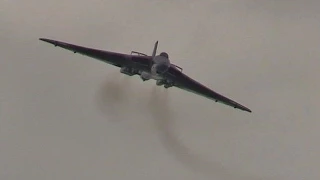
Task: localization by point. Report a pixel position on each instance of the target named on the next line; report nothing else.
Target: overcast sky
(66, 116)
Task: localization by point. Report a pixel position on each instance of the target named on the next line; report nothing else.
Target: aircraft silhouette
(157, 67)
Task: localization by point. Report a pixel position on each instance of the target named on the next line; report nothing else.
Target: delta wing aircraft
(157, 67)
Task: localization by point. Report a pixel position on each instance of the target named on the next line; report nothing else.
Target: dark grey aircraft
(157, 67)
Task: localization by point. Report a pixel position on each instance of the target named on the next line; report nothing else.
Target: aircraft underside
(144, 75)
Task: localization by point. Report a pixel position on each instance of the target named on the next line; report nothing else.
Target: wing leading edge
(186, 83)
(116, 59)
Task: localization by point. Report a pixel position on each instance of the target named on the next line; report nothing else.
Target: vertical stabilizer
(155, 50)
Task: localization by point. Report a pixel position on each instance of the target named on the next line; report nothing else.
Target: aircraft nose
(161, 68)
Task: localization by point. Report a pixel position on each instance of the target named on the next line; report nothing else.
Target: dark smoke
(113, 99)
(113, 95)
(162, 112)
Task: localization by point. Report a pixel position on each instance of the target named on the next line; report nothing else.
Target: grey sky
(66, 116)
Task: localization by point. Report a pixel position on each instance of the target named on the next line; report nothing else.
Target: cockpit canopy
(164, 54)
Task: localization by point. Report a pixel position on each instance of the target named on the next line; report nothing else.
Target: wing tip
(247, 109)
(54, 42)
(43, 39)
(47, 40)
(243, 108)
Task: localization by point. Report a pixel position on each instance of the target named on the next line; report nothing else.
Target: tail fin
(155, 50)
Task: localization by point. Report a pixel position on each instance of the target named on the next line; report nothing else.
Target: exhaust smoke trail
(114, 98)
(113, 94)
(161, 111)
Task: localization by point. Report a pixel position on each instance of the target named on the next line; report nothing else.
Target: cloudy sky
(66, 116)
